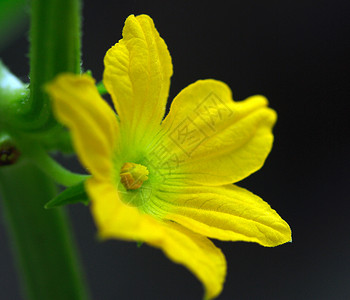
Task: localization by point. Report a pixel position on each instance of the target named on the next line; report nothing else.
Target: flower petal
(115, 219)
(137, 75)
(228, 213)
(197, 253)
(93, 124)
(213, 139)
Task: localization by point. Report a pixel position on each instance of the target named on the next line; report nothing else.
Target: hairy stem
(42, 239)
(54, 48)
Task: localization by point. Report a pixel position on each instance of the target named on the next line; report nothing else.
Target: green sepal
(89, 73)
(101, 88)
(71, 195)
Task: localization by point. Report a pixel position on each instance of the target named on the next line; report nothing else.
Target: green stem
(54, 48)
(58, 173)
(50, 167)
(42, 239)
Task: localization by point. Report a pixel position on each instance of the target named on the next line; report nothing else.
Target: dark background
(297, 54)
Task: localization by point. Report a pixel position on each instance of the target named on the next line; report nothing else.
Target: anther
(132, 176)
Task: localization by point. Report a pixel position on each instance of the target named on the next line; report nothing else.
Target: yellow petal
(115, 219)
(213, 139)
(93, 124)
(197, 253)
(137, 75)
(228, 213)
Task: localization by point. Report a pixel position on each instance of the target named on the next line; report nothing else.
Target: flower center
(133, 175)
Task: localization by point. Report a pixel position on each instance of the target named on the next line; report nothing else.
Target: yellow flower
(168, 182)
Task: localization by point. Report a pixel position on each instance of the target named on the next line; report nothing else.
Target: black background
(297, 54)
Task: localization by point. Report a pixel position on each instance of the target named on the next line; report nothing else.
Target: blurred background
(296, 53)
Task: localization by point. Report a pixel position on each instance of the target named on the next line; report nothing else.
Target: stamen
(132, 176)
